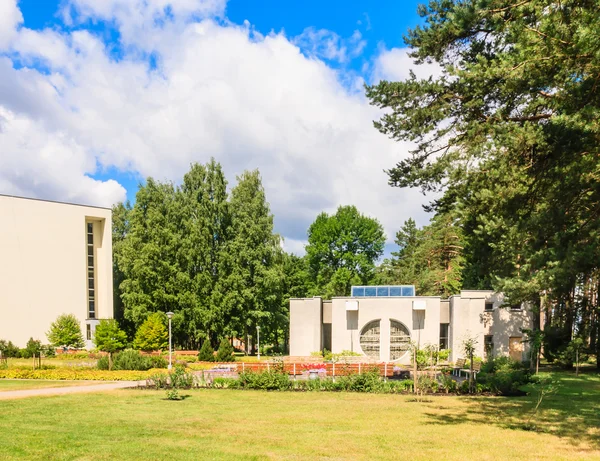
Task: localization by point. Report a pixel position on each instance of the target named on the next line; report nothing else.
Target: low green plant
(266, 380)
(181, 379)
(173, 394)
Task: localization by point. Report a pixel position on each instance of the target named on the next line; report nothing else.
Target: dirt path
(5, 395)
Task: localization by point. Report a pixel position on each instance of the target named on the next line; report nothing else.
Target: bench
(460, 363)
(476, 369)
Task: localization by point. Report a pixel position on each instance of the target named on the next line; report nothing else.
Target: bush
(503, 376)
(8, 349)
(130, 359)
(266, 381)
(225, 352)
(179, 378)
(206, 353)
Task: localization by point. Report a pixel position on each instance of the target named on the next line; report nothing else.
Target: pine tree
(225, 352)
(206, 353)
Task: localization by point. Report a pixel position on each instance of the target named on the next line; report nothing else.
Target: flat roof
(54, 201)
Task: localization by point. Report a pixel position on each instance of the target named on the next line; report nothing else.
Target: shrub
(66, 331)
(503, 376)
(173, 394)
(206, 353)
(130, 359)
(48, 351)
(152, 334)
(225, 352)
(8, 349)
(266, 381)
(181, 379)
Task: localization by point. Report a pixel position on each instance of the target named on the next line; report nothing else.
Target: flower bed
(76, 374)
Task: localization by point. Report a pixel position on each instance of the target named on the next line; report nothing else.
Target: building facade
(381, 323)
(55, 258)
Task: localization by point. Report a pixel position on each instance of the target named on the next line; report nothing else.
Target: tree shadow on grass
(573, 412)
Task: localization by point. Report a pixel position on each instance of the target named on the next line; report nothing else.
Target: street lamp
(170, 316)
(258, 341)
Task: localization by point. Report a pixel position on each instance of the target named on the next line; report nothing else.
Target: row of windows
(91, 274)
(383, 291)
(489, 306)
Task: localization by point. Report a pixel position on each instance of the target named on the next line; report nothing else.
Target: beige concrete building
(55, 258)
(381, 322)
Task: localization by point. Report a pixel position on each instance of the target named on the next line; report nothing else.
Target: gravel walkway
(69, 390)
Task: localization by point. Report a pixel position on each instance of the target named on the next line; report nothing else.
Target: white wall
(43, 265)
(305, 326)
(347, 325)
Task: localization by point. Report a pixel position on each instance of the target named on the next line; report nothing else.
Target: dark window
(488, 345)
(88, 332)
(489, 306)
(327, 336)
(444, 335)
(91, 275)
(515, 307)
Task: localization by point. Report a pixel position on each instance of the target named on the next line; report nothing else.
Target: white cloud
(325, 44)
(10, 19)
(36, 163)
(396, 64)
(219, 90)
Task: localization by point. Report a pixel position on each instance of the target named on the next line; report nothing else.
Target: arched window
(399, 340)
(370, 339)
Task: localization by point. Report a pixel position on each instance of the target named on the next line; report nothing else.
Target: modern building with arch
(381, 322)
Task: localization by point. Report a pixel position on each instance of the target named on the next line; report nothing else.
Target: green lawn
(20, 384)
(226, 424)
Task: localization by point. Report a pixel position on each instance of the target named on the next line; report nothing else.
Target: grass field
(227, 424)
(22, 384)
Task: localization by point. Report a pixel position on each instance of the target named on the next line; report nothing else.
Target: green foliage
(109, 337)
(266, 381)
(504, 376)
(509, 131)
(430, 258)
(225, 352)
(173, 394)
(342, 250)
(32, 348)
(210, 257)
(8, 349)
(152, 334)
(65, 331)
(131, 359)
(206, 354)
(573, 351)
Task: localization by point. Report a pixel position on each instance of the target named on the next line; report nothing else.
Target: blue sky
(99, 94)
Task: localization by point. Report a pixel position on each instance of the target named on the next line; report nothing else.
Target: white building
(380, 323)
(55, 258)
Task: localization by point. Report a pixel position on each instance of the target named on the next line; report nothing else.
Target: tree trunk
(109, 361)
(471, 373)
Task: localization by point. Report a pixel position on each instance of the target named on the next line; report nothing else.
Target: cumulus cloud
(215, 90)
(10, 19)
(395, 65)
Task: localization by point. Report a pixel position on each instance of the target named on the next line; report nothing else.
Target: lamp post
(170, 316)
(258, 341)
